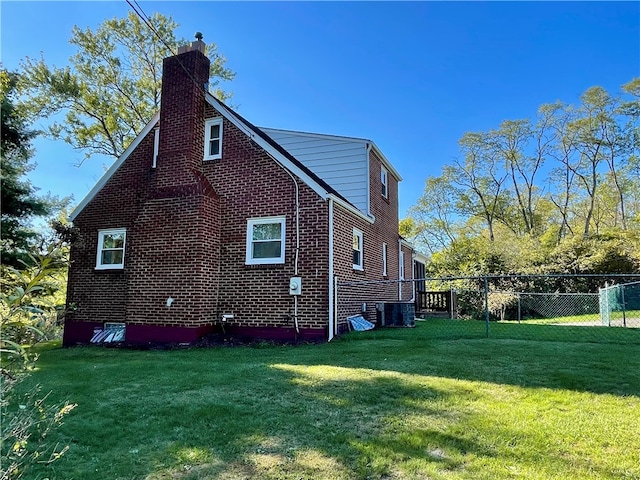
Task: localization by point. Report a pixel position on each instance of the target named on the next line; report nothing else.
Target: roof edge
(114, 166)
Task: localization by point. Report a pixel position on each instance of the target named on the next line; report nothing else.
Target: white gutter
(347, 206)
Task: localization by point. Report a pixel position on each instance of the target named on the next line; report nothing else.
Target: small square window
(265, 240)
(384, 180)
(111, 244)
(358, 250)
(213, 139)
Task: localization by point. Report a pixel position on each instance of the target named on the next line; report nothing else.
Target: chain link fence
(588, 308)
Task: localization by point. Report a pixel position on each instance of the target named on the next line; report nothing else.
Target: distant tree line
(557, 193)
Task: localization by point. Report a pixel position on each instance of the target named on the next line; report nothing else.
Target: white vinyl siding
(342, 162)
(213, 139)
(265, 240)
(111, 244)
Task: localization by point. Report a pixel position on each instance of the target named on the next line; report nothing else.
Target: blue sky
(411, 76)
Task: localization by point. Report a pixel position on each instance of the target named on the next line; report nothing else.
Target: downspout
(331, 273)
(399, 270)
(369, 147)
(413, 278)
(297, 252)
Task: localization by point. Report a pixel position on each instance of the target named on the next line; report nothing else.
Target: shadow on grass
(379, 404)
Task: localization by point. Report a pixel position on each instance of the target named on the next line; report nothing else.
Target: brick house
(207, 222)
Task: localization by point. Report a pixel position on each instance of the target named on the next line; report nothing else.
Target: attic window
(111, 248)
(384, 180)
(213, 139)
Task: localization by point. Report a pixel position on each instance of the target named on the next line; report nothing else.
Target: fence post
(624, 310)
(519, 309)
(486, 306)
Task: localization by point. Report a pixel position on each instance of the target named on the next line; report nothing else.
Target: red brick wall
(186, 226)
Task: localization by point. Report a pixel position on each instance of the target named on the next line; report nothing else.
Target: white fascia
(385, 161)
(112, 169)
(347, 206)
(404, 243)
(365, 141)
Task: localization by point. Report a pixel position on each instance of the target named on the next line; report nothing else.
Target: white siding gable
(342, 162)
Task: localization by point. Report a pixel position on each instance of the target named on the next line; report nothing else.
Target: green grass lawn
(384, 404)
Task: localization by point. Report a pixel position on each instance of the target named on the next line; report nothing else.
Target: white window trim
(101, 235)
(360, 235)
(207, 129)
(261, 221)
(384, 259)
(401, 265)
(384, 179)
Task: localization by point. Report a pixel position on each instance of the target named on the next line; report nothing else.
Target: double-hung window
(401, 270)
(111, 245)
(265, 240)
(384, 180)
(358, 249)
(213, 139)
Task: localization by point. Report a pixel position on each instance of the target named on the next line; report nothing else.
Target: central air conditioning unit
(395, 314)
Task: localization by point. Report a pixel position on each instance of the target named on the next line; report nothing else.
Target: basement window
(111, 248)
(265, 240)
(213, 139)
(112, 332)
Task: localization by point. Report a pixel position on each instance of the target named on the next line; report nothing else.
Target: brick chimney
(175, 237)
(182, 103)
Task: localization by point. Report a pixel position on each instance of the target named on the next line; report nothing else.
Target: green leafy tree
(27, 308)
(112, 85)
(434, 216)
(479, 180)
(19, 202)
(491, 211)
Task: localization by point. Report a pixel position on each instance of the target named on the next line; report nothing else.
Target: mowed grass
(384, 404)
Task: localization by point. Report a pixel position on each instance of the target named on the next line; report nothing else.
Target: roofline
(350, 208)
(365, 141)
(276, 151)
(273, 148)
(114, 166)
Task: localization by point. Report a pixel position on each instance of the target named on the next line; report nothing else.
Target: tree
(111, 88)
(434, 216)
(491, 212)
(27, 308)
(20, 204)
(479, 180)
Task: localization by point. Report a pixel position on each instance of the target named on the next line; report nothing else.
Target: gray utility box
(395, 314)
